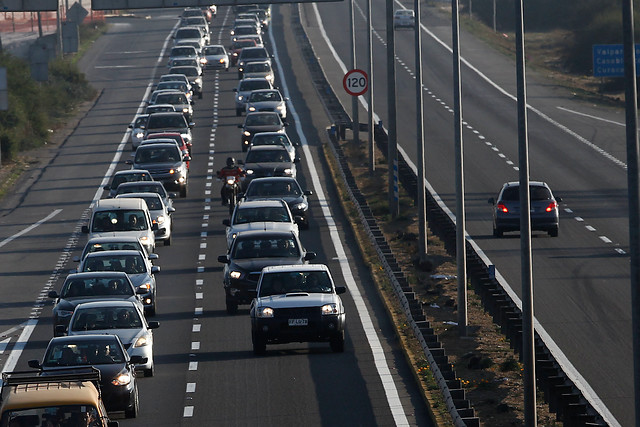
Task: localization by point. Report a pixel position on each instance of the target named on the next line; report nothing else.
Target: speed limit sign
(356, 82)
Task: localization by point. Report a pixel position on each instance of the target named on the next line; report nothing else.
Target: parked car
(404, 18)
(264, 121)
(284, 188)
(250, 252)
(297, 303)
(122, 318)
(128, 175)
(543, 207)
(244, 89)
(267, 100)
(105, 352)
(166, 163)
(85, 287)
(160, 214)
(260, 215)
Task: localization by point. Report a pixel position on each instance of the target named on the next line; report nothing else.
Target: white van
(122, 217)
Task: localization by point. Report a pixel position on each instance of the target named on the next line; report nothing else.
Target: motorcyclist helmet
(231, 161)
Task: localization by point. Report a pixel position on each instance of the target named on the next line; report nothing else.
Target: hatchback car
(135, 264)
(166, 163)
(404, 18)
(543, 208)
(267, 100)
(118, 381)
(216, 57)
(85, 287)
(283, 188)
(260, 215)
(274, 138)
(268, 160)
(297, 303)
(129, 175)
(244, 89)
(160, 214)
(263, 121)
(250, 252)
(122, 318)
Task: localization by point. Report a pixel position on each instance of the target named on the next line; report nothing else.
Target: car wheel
(337, 343)
(232, 307)
(553, 232)
(167, 241)
(132, 411)
(259, 345)
(183, 191)
(497, 232)
(238, 112)
(150, 372)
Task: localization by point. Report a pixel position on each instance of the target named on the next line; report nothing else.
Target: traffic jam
(103, 314)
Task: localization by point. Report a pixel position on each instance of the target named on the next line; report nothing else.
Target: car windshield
(188, 33)
(257, 67)
(157, 188)
(270, 189)
(96, 319)
(255, 156)
(270, 140)
(249, 85)
(172, 98)
(288, 282)
(166, 121)
(187, 71)
(96, 285)
(264, 96)
(153, 203)
(140, 121)
(153, 154)
(214, 50)
(83, 352)
(160, 109)
(265, 247)
(130, 264)
(183, 51)
(174, 85)
(272, 214)
(129, 177)
(536, 193)
(253, 53)
(245, 29)
(55, 415)
(239, 44)
(119, 220)
(262, 120)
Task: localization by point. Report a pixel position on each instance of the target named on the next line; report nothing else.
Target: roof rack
(88, 373)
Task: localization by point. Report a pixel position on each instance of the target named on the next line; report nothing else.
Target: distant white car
(404, 18)
(267, 100)
(216, 57)
(259, 69)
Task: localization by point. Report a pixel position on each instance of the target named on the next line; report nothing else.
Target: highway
(581, 279)
(206, 373)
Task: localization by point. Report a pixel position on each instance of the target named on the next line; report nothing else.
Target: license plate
(298, 322)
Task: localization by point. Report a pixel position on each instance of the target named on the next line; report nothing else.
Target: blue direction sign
(608, 60)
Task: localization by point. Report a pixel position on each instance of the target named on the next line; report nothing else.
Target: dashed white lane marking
(199, 282)
(195, 345)
(199, 295)
(191, 387)
(620, 251)
(579, 219)
(590, 228)
(605, 239)
(202, 257)
(188, 412)
(198, 311)
(196, 328)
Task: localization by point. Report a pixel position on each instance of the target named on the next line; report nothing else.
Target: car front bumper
(277, 330)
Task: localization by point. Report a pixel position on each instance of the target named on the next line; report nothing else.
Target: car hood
(215, 57)
(269, 165)
(297, 299)
(163, 165)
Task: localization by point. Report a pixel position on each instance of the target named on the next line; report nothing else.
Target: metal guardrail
(563, 397)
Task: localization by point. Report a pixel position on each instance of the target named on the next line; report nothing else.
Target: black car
(250, 252)
(297, 303)
(166, 163)
(84, 287)
(282, 188)
(106, 353)
(268, 160)
(543, 207)
(260, 121)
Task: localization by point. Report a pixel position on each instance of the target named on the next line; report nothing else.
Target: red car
(237, 46)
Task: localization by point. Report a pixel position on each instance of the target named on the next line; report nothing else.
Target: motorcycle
(231, 190)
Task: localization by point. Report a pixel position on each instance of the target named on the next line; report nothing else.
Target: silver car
(160, 214)
(267, 100)
(216, 57)
(137, 130)
(245, 87)
(259, 69)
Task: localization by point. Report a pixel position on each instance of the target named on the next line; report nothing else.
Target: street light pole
(392, 143)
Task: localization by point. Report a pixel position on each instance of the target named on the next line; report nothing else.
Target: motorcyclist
(231, 169)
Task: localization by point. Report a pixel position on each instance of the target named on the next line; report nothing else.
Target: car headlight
(252, 108)
(240, 97)
(222, 61)
(264, 312)
(65, 313)
(142, 341)
(249, 171)
(235, 274)
(288, 171)
(144, 239)
(246, 133)
(123, 378)
(172, 171)
(234, 54)
(160, 219)
(145, 286)
(185, 110)
(140, 135)
(203, 60)
(280, 107)
(300, 206)
(269, 77)
(329, 309)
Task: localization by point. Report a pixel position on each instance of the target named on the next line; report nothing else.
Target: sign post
(355, 82)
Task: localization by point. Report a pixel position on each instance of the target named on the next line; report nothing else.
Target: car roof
(57, 393)
(89, 274)
(295, 267)
(105, 204)
(167, 144)
(119, 252)
(531, 183)
(106, 303)
(131, 171)
(108, 239)
(272, 178)
(138, 195)
(266, 203)
(87, 337)
(267, 148)
(145, 183)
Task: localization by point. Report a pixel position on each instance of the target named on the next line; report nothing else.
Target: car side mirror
(172, 209)
(61, 330)
(491, 201)
(558, 199)
(173, 195)
(53, 294)
(310, 256)
(239, 126)
(154, 324)
(141, 291)
(128, 162)
(106, 187)
(308, 192)
(226, 222)
(154, 227)
(341, 289)
(75, 259)
(130, 126)
(296, 160)
(153, 256)
(137, 360)
(35, 364)
(223, 259)
(235, 89)
(187, 158)
(85, 229)
(192, 124)
(155, 269)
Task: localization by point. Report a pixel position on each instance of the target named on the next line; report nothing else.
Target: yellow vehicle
(69, 397)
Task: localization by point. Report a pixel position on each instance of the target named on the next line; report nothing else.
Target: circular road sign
(355, 82)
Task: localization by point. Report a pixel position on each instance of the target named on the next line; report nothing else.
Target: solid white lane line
(29, 228)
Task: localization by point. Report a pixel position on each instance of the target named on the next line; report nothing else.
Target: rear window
(248, 85)
(166, 121)
(129, 177)
(266, 247)
(96, 285)
(188, 33)
(535, 193)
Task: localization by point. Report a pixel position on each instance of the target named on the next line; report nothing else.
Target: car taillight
(502, 208)
(552, 206)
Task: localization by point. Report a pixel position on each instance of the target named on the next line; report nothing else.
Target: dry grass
(493, 382)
